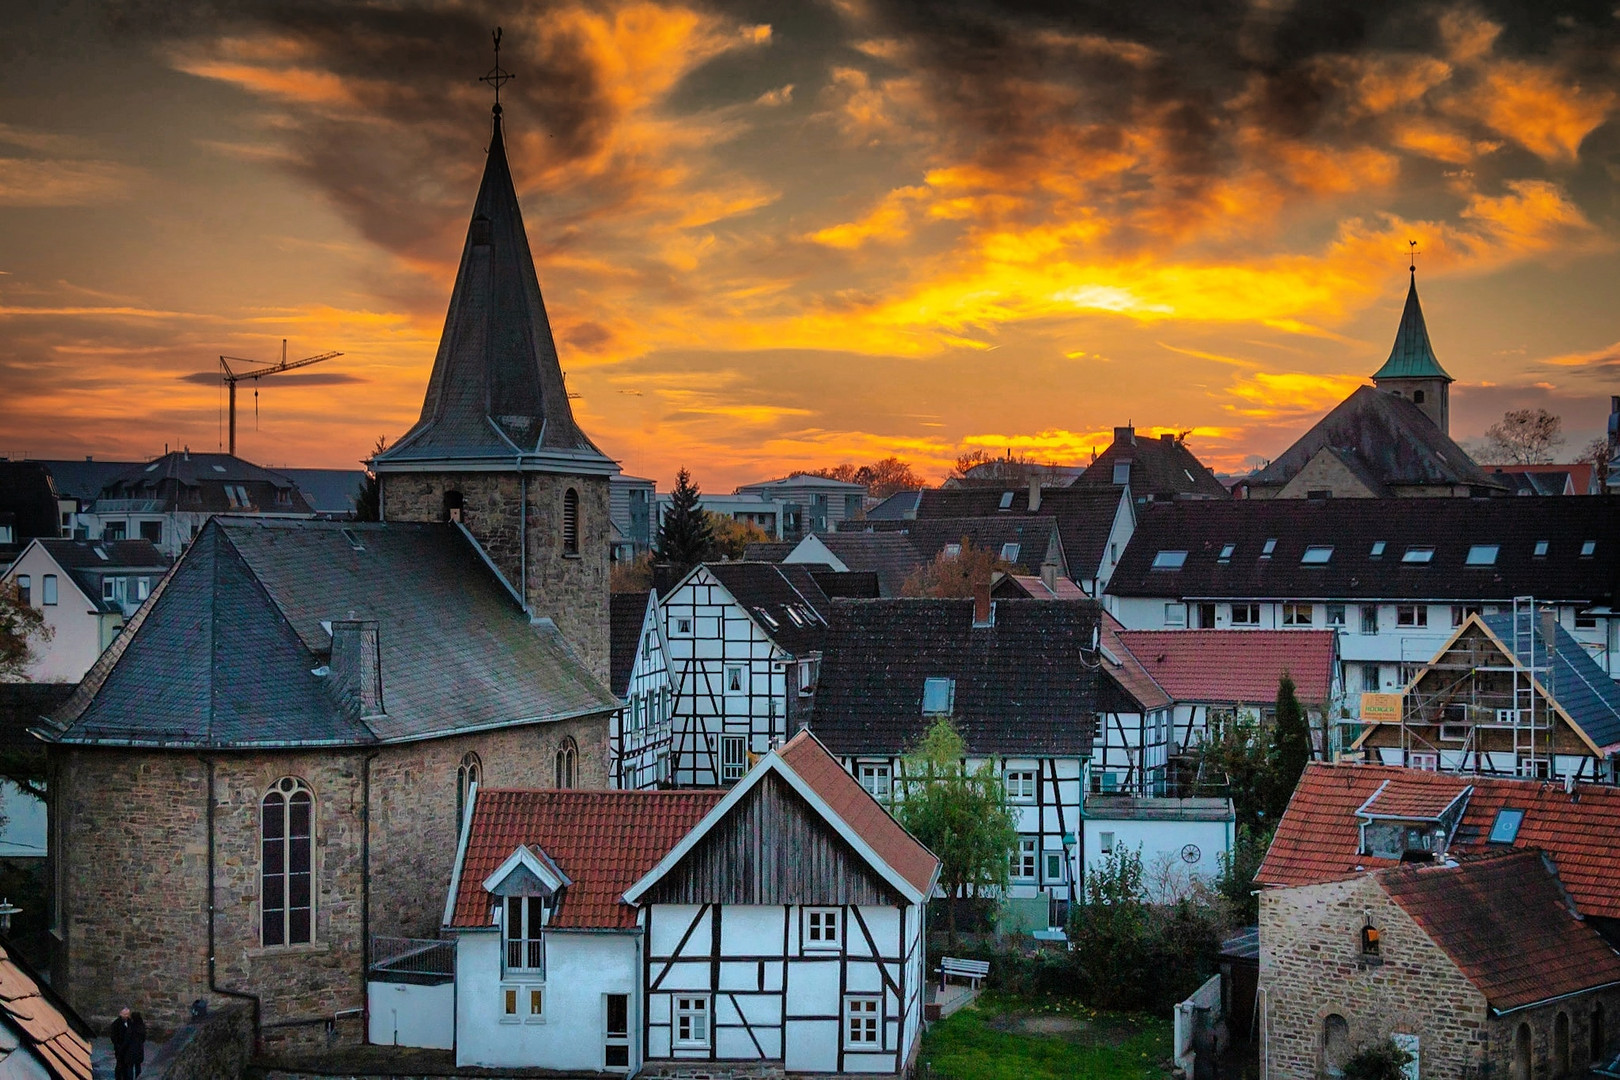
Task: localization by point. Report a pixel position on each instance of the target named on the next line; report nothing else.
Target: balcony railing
(526, 954)
(412, 956)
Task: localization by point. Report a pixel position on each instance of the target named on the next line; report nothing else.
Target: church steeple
(497, 391)
(1412, 370)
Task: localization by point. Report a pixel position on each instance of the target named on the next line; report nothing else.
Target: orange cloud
(1546, 114)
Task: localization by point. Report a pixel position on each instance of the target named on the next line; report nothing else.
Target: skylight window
(952, 550)
(219, 468)
(1122, 472)
(152, 467)
(939, 696)
(1226, 552)
(1169, 560)
(1418, 555)
(1006, 500)
(1317, 554)
(1266, 551)
(1009, 552)
(1505, 829)
(1588, 548)
(770, 620)
(1541, 549)
(1377, 550)
(1483, 555)
(793, 615)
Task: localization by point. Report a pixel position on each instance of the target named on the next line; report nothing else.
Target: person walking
(123, 1034)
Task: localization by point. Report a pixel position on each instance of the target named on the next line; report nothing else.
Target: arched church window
(452, 506)
(567, 763)
(286, 864)
(1335, 1044)
(1521, 1053)
(570, 537)
(468, 773)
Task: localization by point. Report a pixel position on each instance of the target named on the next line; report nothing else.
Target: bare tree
(1523, 437)
(1601, 455)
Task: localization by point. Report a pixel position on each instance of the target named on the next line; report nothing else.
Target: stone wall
(1504, 1030)
(572, 590)
(218, 1047)
(1311, 966)
(133, 848)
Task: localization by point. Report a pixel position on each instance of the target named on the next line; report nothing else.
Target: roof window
(952, 550)
(353, 539)
(1418, 554)
(219, 468)
(770, 620)
(152, 467)
(1006, 500)
(1009, 552)
(793, 615)
(1541, 549)
(939, 696)
(1226, 552)
(1377, 550)
(1505, 829)
(1267, 550)
(1317, 554)
(1122, 472)
(1588, 548)
(1169, 560)
(1483, 555)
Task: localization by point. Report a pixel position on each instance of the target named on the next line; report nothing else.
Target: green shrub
(1377, 1061)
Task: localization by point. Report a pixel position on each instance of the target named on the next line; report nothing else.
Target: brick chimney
(1049, 576)
(1034, 493)
(984, 612)
(356, 667)
(1125, 435)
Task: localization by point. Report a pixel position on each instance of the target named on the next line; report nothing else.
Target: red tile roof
(1236, 666)
(1413, 802)
(810, 761)
(55, 1041)
(603, 840)
(1504, 922)
(1035, 588)
(1128, 671)
(1319, 836)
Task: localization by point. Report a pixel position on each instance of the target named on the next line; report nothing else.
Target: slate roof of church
(1451, 526)
(1023, 685)
(1392, 441)
(1412, 356)
(224, 652)
(1504, 921)
(497, 388)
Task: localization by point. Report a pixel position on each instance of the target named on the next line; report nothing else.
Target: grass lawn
(1011, 1038)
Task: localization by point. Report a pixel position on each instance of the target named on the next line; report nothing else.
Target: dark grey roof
(1161, 468)
(496, 390)
(1392, 440)
(1577, 682)
(787, 592)
(182, 480)
(769, 550)
(1022, 685)
(627, 613)
(850, 584)
(1525, 482)
(1037, 537)
(225, 652)
(88, 561)
(900, 505)
(890, 556)
(1352, 526)
(1084, 516)
(83, 480)
(27, 503)
(328, 491)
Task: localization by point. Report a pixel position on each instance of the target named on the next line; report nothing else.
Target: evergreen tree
(685, 536)
(1290, 748)
(368, 496)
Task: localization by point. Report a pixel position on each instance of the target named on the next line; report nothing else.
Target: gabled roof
(328, 491)
(1037, 537)
(1576, 682)
(1127, 671)
(604, 841)
(42, 1026)
(768, 550)
(1161, 468)
(900, 505)
(27, 493)
(226, 650)
(87, 561)
(1412, 356)
(496, 393)
(1026, 684)
(891, 556)
(858, 818)
(1351, 527)
(1034, 587)
(1318, 838)
(787, 592)
(1236, 666)
(1391, 440)
(627, 614)
(1504, 921)
(1085, 515)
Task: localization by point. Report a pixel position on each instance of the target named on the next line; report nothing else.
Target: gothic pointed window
(570, 537)
(286, 864)
(567, 763)
(468, 773)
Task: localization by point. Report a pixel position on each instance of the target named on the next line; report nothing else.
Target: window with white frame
(1175, 614)
(938, 696)
(1412, 615)
(874, 777)
(1054, 867)
(1020, 785)
(1022, 865)
(523, 1004)
(821, 928)
(683, 627)
(1585, 620)
(863, 1023)
(1298, 614)
(47, 592)
(1245, 614)
(1335, 614)
(736, 680)
(522, 927)
(733, 757)
(1169, 560)
(1105, 842)
(691, 1022)
(1009, 552)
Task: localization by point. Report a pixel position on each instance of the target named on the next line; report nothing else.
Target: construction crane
(233, 377)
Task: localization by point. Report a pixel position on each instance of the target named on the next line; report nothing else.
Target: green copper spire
(1413, 356)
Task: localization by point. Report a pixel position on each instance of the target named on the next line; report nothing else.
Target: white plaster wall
(406, 1015)
(76, 626)
(1161, 840)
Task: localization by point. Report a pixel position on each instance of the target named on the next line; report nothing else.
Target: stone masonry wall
(1311, 966)
(572, 590)
(1504, 1030)
(133, 884)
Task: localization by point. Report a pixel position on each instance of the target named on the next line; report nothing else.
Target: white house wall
(79, 633)
(405, 1014)
(1131, 754)
(640, 754)
(1182, 848)
(771, 997)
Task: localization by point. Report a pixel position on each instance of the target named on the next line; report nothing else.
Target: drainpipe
(213, 984)
(365, 892)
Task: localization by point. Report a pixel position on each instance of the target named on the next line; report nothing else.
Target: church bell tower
(1412, 371)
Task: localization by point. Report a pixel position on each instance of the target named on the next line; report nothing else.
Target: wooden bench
(972, 970)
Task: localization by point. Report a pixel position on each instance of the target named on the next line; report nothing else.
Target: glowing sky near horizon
(786, 235)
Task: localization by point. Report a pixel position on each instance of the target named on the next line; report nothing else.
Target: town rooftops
(210, 483)
(36, 1023)
(1504, 921)
(1155, 468)
(1564, 549)
(260, 633)
(1023, 683)
(1085, 515)
(782, 598)
(1023, 542)
(799, 481)
(88, 561)
(1127, 671)
(1319, 837)
(1236, 666)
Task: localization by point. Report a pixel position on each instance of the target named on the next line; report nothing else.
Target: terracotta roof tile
(1239, 666)
(862, 813)
(1319, 836)
(1504, 922)
(56, 1042)
(1129, 671)
(603, 840)
(1398, 798)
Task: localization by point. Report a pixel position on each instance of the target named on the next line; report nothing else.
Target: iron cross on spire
(497, 74)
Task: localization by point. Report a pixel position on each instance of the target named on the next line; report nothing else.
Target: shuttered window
(570, 535)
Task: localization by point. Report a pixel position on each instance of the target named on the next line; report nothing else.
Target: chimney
(1125, 435)
(1034, 493)
(1049, 576)
(1168, 439)
(356, 675)
(984, 612)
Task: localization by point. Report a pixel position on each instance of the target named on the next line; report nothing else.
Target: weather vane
(1412, 253)
(497, 74)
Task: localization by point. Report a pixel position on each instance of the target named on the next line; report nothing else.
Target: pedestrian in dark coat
(123, 1034)
(137, 1033)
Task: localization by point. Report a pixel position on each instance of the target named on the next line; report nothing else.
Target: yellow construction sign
(1381, 708)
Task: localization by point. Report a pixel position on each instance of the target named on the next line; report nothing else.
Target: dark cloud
(298, 378)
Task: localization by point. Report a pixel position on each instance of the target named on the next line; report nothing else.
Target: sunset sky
(781, 235)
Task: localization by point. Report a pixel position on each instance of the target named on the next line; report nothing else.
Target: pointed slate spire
(497, 390)
(1412, 357)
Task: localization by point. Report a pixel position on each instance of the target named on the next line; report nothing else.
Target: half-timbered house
(1018, 678)
(643, 729)
(744, 646)
(780, 924)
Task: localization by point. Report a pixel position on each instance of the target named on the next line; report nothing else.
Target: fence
(412, 956)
